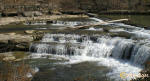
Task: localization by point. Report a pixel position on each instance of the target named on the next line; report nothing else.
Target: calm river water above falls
(99, 53)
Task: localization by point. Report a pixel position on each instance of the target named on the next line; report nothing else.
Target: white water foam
(94, 29)
(100, 52)
(70, 23)
(63, 23)
(116, 65)
(75, 23)
(117, 30)
(139, 32)
(96, 19)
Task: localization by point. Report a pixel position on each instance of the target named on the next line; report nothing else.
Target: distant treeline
(87, 5)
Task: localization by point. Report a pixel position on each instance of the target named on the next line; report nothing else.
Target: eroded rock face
(14, 42)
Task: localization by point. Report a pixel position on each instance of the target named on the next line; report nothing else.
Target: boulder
(29, 31)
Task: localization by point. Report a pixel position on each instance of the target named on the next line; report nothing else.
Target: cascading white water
(122, 49)
(62, 23)
(140, 54)
(105, 50)
(118, 53)
(138, 32)
(75, 23)
(118, 48)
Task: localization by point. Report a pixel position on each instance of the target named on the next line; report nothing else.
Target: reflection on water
(55, 70)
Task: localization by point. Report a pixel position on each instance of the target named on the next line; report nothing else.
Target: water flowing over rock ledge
(120, 48)
(99, 47)
(118, 52)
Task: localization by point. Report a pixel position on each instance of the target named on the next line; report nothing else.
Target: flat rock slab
(15, 42)
(15, 37)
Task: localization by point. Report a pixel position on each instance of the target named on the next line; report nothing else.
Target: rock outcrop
(14, 42)
(7, 56)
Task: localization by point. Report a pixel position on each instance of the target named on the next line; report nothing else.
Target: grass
(19, 55)
(11, 72)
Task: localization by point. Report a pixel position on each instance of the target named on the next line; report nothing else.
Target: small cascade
(118, 48)
(35, 23)
(59, 49)
(128, 50)
(123, 49)
(61, 38)
(75, 23)
(70, 23)
(140, 54)
(66, 23)
(137, 32)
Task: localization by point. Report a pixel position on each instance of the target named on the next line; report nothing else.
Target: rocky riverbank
(17, 19)
(13, 41)
(19, 41)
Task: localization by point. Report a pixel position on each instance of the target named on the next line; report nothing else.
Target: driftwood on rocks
(95, 24)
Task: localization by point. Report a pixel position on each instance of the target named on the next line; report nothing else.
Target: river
(100, 53)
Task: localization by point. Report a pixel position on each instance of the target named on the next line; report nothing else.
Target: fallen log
(96, 24)
(119, 20)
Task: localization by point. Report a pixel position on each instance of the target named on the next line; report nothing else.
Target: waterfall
(118, 48)
(119, 54)
(123, 49)
(140, 54)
